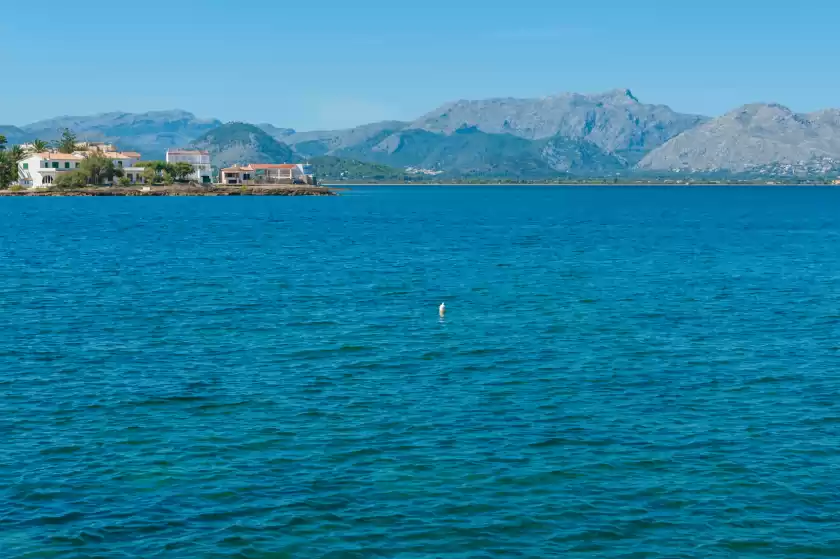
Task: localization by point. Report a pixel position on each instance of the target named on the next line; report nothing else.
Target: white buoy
(442, 309)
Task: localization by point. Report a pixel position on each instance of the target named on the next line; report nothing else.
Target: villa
(41, 169)
(200, 161)
(264, 173)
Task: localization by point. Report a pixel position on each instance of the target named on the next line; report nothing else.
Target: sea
(622, 372)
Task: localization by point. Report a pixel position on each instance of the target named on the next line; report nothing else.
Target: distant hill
(238, 142)
(615, 121)
(14, 135)
(149, 133)
(565, 134)
(470, 152)
(336, 168)
(279, 133)
(323, 142)
(765, 138)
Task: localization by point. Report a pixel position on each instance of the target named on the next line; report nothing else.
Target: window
(55, 165)
(25, 166)
(78, 165)
(67, 165)
(119, 163)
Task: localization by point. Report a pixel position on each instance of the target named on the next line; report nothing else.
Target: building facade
(39, 170)
(200, 161)
(264, 173)
(237, 175)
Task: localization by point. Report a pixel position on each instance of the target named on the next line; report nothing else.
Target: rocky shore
(178, 191)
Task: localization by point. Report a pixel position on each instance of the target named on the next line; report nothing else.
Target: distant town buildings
(263, 173)
(420, 171)
(42, 169)
(200, 161)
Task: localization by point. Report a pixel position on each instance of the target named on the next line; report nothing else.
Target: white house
(200, 161)
(41, 169)
(126, 160)
(263, 173)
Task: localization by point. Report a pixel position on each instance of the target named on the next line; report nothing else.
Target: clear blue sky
(335, 63)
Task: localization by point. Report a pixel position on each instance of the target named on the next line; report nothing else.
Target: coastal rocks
(164, 191)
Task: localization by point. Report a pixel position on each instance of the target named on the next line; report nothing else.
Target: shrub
(72, 179)
(123, 181)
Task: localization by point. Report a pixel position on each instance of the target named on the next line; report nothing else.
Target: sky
(336, 63)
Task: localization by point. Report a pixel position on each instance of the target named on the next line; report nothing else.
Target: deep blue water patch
(622, 372)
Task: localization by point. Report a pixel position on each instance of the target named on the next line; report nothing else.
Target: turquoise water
(622, 372)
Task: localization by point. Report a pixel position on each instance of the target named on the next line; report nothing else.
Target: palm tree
(39, 146)
(17, 154)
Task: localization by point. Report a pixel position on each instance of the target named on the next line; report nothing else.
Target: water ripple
(621, 373)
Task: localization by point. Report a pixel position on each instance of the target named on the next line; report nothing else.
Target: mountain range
(568, 134)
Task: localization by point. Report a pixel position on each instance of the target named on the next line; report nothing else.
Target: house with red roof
(267, 173)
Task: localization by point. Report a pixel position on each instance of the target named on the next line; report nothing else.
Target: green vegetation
(471, 152)
(71, 179)
(39, 146)
(150, 174)
(94, 170)
(329, 167)
(161, 172)
(237, 142)
(9, 161)
(99, 169)
(180, 171)
(67, 143)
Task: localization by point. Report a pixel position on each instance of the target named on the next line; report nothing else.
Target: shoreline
(253, 190)
(582, 184)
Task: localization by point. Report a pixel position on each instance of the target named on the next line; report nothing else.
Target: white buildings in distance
(42, 168)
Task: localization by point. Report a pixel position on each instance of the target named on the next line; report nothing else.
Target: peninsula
(175, 190)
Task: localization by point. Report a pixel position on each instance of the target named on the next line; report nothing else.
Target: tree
(9, 163)
(39, 146)
(158, 166)
(168, 178)
(67, 143)
(150, 175)
(181, 170)
(5, 171)
(17, 154)
(98, 169)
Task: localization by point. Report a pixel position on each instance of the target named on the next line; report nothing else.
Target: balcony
(52, 170)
